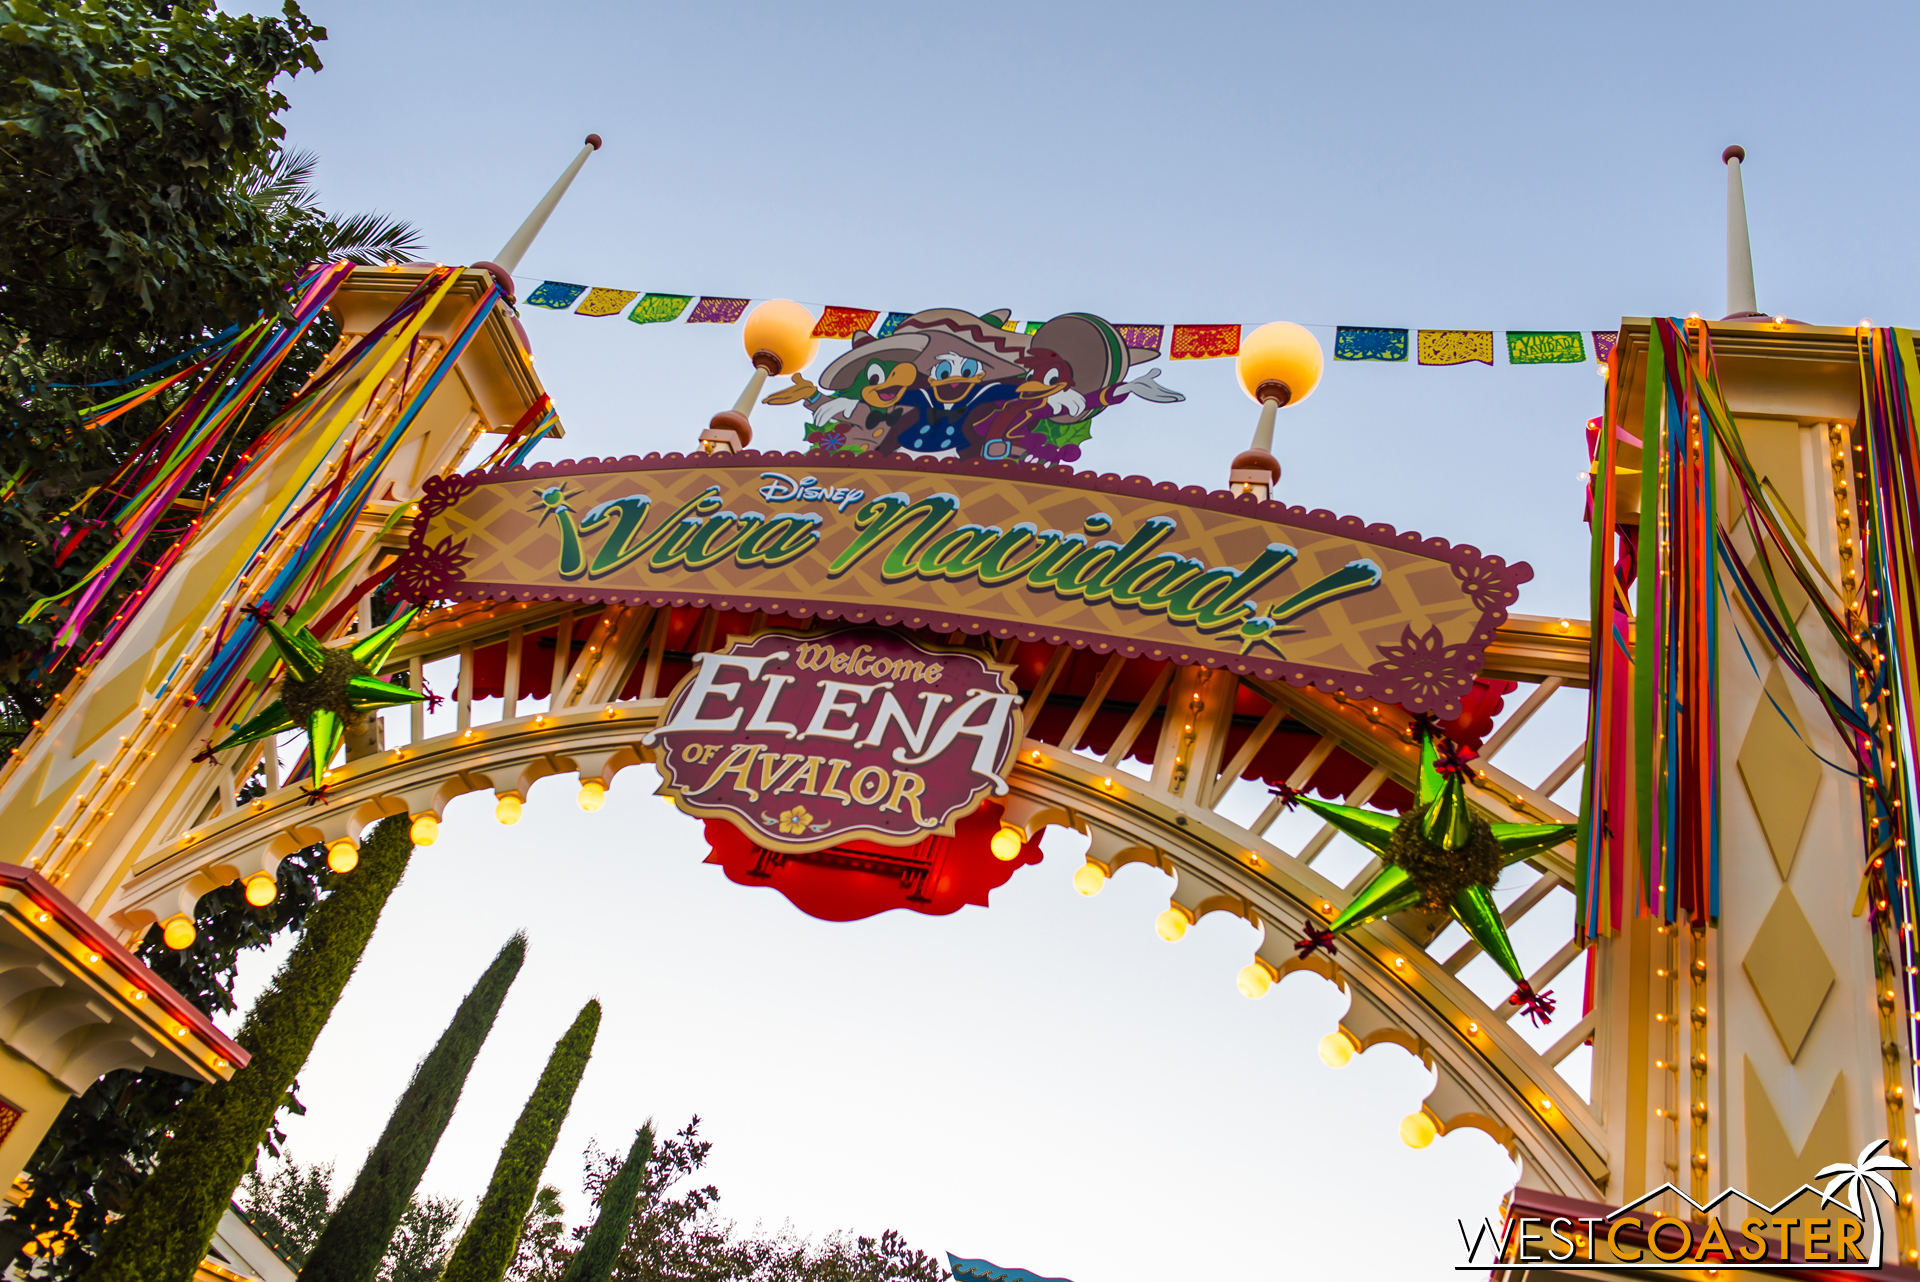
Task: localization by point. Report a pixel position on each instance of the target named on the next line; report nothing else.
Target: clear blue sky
(1045, 1083)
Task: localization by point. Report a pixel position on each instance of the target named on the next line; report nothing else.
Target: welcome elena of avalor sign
(1018, 551)
(807, 740)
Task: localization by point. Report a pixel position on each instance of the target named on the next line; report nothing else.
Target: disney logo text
(780, 488)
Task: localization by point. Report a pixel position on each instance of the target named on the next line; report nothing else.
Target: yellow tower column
(1752, 1054)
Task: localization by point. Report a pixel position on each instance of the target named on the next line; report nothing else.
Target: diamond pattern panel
(1789, 971)
(1779, 770)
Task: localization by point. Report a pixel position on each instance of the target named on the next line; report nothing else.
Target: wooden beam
(1037, 700)
(1091, 704)
(1141, 714)
(1521, 715)
(1248, 750)
(1300, 778)
(1530, 647)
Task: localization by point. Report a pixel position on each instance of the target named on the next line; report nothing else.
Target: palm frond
(371, 239)
(286, 186)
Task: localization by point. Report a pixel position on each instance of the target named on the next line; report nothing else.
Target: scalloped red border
(1299, 675)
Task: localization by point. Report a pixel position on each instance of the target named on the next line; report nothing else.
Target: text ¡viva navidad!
(913, 541)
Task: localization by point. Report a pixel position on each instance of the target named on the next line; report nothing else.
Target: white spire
(510, 255)
(1740, 298)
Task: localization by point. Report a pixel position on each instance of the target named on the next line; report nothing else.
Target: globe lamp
(1090, 879)
(178, 933)
(1007, 842)
(1171, 924)
(778, 336)
(1254, 981)
(1279, 365)
(261, 889)
(1417, 1130)
(342, 855)
(1336, 1049)
(593, 794)
(425, 830)
(507, 808)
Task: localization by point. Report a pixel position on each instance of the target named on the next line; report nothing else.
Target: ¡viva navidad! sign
(808, 740)
(1120, 564)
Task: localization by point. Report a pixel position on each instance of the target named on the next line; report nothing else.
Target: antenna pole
(516, 247)
(1740, 296)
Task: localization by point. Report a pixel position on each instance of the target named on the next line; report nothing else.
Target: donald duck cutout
(950, 384)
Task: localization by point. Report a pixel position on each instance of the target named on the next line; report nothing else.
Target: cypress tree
(487, 1247)
(595, 1259)
(356, 1237)
(171, 1218)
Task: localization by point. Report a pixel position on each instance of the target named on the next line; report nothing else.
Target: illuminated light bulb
(1602, 369)
(262, 889)
(342, 855)
(1254, 981)
(1336, 1049)
(425, 830)
(1171, 924)
(1280, 361)
(1007, 842)
(507, 808)
(593, 794)
(1417, 1130)
(178, 933)
(1090, 879)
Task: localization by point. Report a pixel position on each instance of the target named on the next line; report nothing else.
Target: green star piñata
(326, 688)
(1440, 857)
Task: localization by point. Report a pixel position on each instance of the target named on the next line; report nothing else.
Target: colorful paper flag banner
(1361, 343)
(1204, 342)
(605, 302)
(1190, 342)
(716, 311)
(555, 294)
(1456, 346)
(843, 322)
(657, 309)
(1545, 347)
